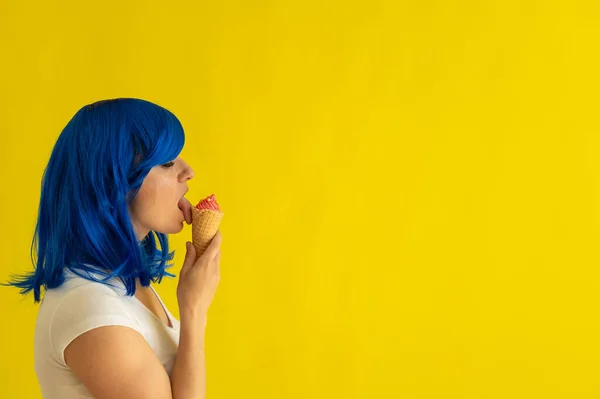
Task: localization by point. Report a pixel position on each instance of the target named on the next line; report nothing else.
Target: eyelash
(168, 164)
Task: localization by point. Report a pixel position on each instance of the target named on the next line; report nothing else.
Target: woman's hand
(198, 280)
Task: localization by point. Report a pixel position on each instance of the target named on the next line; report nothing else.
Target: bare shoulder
(117, 362)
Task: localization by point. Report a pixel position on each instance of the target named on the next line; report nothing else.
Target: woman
(114, 183)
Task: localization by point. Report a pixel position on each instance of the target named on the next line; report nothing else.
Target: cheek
(156, 205)
(146, 198)
(156, 202)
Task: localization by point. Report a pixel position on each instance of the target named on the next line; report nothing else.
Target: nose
(187, 173)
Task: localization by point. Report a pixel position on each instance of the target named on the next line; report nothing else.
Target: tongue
(186, 208)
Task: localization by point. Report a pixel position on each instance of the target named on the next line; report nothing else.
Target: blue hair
(96, 169)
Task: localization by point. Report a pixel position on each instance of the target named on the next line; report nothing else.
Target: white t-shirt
(80, 305)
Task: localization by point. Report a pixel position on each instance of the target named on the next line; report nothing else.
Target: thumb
(190, 257)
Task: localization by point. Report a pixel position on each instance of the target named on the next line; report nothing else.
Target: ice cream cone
(205, 223)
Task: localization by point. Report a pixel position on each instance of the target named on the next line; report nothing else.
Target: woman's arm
(188, 376)
(116, 362)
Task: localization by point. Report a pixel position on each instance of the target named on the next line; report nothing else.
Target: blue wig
(95, 170)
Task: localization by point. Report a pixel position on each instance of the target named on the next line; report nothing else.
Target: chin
(177, 228)
(171, 230)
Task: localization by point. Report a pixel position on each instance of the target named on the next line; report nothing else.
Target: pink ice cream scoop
(209, 203)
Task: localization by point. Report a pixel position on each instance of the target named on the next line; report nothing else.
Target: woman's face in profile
(159, 204)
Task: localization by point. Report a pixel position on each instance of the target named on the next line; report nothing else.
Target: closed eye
(168, 164)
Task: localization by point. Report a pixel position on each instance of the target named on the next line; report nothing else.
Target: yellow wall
(411, 188)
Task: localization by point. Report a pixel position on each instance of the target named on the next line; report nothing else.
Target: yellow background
(411, 188)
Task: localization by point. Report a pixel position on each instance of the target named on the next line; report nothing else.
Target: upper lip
(186, 190)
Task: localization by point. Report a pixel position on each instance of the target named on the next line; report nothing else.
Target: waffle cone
(205, 223)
